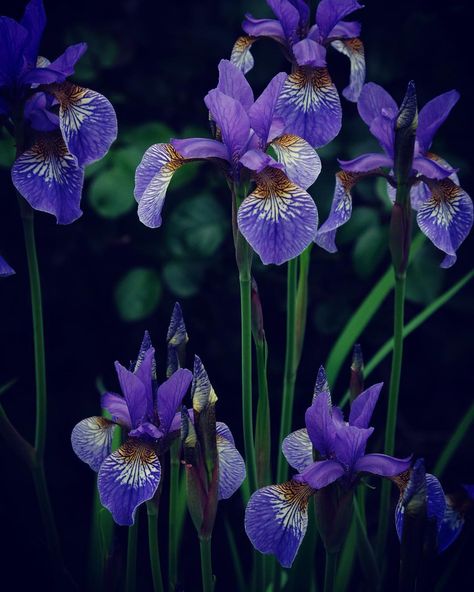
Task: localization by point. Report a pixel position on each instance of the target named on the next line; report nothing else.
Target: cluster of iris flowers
(265, 149)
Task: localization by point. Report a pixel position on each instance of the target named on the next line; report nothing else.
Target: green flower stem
(302, 302)
(366, 552)
(290, 367)
(131, 573)
(454, 442)
(330, 572)
(262, 424)
(152, 512)
(206, 565)
(247, 412)
(236, 560)
(173, 532)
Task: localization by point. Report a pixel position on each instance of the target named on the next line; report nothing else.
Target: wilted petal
(91, 440)
(298, 449)
(321, 473)
(5, 269)
(330, 12)
(301, 161)
(127, 478)
(366, 162)
(354, 50)
(309, 53)
(152, 178)
(263, 28)
(231, 468)
(349, 445)
(363, 406)
(262, 112)
(117, 407)
(241, 56)
(87, 120)
(432, 116)
(276, 519)
(170, 395)
(446, 217)
(310, 105)
(49, 178)
(381, 464)
(278, 219)
(233, 83)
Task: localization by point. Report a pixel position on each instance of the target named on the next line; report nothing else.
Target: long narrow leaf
(454, 442)
(239, 574)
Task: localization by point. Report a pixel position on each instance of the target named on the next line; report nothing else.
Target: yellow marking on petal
(443, 203)
(76, 104)
(136, 461)
(306, 88)
(240, 55)
(48, 158)
(292, 499)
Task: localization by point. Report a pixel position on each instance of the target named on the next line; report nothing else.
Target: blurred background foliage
(107, 278)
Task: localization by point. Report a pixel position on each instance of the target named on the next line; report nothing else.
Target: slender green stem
(206, 565)
(366, 552)
(173, 534)
(152, 512)
(236, 561)
(453, 443)
(390, 428)
(262, 424)
(330, 572)
(131, 574)
(302, 302)
(247, 413)
(290, 367)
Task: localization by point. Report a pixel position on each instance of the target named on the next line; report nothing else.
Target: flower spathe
(276, 516)
(67, 126)
(147, 414)
(309, 102)
(278, 218)
(444, 209)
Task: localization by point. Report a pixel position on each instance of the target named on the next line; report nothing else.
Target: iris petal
(354, 50)
(241, 56)
(91, 440)
(298, 449)
(170, 395)
(5, 269)
(231, 467)
(301, 161)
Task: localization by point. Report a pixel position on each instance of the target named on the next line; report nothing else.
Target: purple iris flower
(5, 269)
(446, 511)
(278, 218)
(149, 416)
(66, 126)
(276, 516)
(309, 101)
(444, 209)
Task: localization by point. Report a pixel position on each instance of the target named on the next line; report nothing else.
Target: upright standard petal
(349, 445)
(320, 424)
(297, 448)
(309, 53)
(118, 409)
(58, 70)
(241, 55)
(278, 219)
(288, 16)
(87, 120)
(262, 112)
(301, 161)
(446, 216)
(310, 105)
(91, 440)
(330, 12)
(233, 83)
(363, 406)
(433, 114)
(34, 21)
(231, 468)
(135, 394)
(5, 269)
(354, 50)
(321, 473)
(276, 519)
(375, 101)
(152, 177)
(48, 177)
(145, 369)
(170, 395)
(13, 39)
(127, 478)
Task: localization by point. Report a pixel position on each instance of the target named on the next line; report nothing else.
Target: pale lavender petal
(309, 53)
(321, 473)
(301, 161)
(223, 430)
(231, 468)
(152, 178)
(170, 395)
(134, 392)
(310, 105)
(366, 162)
(330, 12)
(298, 449)
(349, 445)
(262, 112)
(354, 50)
(49, 178)
(381, 464)
(127, 478)
(200, 148)
(117, 407)
(278, 219)
(363, 406)
(263, 28)
(276, 519)
(233, 83)
(320, 424)
(432, 116)
(91, 440)
(5, 269)
(241, 55)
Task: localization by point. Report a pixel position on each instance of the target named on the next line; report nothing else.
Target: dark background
(156, 67)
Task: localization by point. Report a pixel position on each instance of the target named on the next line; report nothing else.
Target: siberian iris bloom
(276, 517)
(446, 511)
(5, 269)
(278, 218)
(65, 126)
(309, 101)
(444, 209)
(149, 416)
